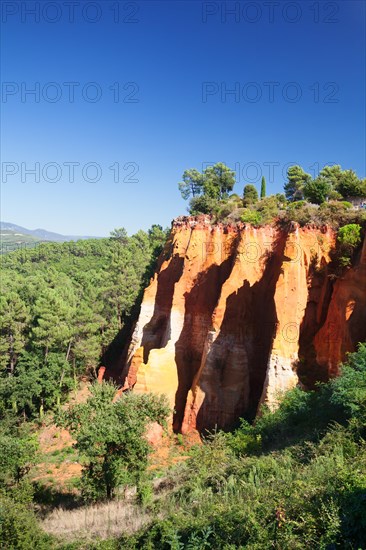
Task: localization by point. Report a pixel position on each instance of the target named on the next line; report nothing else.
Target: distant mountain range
(12, 236)
(43, 234)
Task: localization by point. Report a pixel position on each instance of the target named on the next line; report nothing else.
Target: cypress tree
(263, 187)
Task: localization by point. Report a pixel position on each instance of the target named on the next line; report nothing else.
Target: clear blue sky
(180, 57)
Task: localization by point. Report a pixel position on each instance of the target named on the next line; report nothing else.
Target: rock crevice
(235, 315)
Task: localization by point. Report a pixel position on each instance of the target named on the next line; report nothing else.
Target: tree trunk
(11, 353)
(63, 370)
(68, 351)
(75, 377)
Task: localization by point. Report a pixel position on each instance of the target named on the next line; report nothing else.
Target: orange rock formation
(235, 315)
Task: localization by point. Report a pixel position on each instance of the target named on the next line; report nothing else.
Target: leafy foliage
(297, 179)
(332, 182)
(349, 237)
(18, 448)
(207, 188)
(110, 437)
(250, 195)
(209, 192)
(317, 191)
(19, 529)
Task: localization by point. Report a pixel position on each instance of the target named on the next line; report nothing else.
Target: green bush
(202, 205)
(346, 204)
(300, 212)
(19, 528)
(251, 216)
(350, 235)
(110, 437)
(250, 195)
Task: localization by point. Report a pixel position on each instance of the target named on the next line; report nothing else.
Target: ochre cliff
(235, 315)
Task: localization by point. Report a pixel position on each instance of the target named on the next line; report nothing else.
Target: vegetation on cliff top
(323, 200)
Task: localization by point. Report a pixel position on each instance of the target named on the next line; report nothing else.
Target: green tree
(39, 383)
(14, 323)
(317, 191)
(349, 237)
(120, 235)
(87, 332)
(263, 187)
(206, 189)
(18, 450)
(19, 529)
(192, 183)
(297, 178)
(110, 436)
(218, 181)
(332, 174)
(344, 183)
(157, 237)
(54, 311)
(62, 307)
(349, 185)
(250, 195)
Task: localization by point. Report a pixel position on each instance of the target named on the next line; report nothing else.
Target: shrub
(111, 437)
(224, 209)
(19, 528)
(269, 207)
(251, 216)
(300, 212)
(202, 205)
(250, 195)
(349, 237)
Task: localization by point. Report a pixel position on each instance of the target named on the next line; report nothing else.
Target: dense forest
(61, 307)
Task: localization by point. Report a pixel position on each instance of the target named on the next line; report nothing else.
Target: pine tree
(294, 187)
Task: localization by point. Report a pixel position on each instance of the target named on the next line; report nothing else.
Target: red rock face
(235, 315)
(345, 323)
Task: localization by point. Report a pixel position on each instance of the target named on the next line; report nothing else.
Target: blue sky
(296, 69)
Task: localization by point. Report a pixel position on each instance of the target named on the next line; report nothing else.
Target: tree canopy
(332, 182)
(110, 436)
(250, 195)
(297, 179)
(207, 187)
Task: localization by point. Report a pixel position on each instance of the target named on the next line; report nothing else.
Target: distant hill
(14, 236)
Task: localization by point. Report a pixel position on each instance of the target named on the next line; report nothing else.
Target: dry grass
(102, 521)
